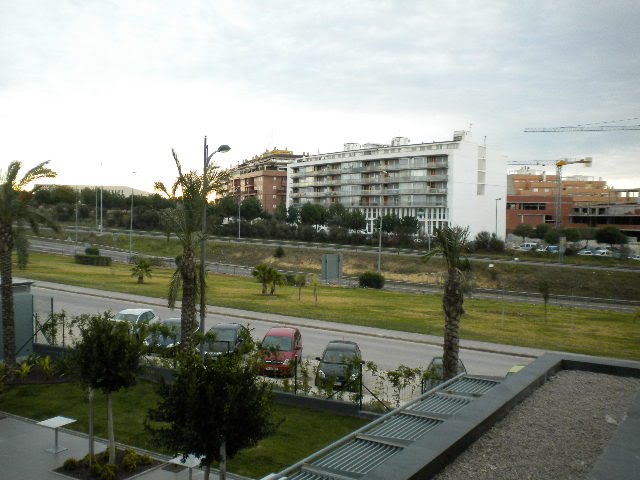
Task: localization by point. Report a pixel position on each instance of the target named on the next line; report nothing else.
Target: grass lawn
(301, 432)
(592, 332)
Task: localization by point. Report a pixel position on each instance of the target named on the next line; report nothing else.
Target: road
(387, 348)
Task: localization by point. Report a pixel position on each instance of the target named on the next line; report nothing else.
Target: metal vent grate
(471, 386)
(358, 456)
(405, 427)
(304, 475)
(441, 404)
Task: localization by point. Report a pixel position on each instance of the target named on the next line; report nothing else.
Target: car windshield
(225, 334)
(278, 343)
(129, 317)
(172, 337)
(338, 356)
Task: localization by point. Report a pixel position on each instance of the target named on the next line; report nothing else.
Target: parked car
(527, 247)
(229, 338)
(635, 257)
(165, 334)
(552, 249)
(585, 252)
(435, 372)
(136, 316)
(602, 251)
(338, 366)
(281, 350)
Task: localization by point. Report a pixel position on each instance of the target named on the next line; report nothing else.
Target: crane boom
(589, 128)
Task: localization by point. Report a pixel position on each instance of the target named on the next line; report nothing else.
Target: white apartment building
(458, 182)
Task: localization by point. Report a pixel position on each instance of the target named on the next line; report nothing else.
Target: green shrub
(371, 280)
(70, 464)
(92, 251)
(96, 468)
(279, 253)
(46, 365)
(95, 260)
(109, 472)
(130, 461)
(146, 460)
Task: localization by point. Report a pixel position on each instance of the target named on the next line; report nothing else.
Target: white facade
(453, 182)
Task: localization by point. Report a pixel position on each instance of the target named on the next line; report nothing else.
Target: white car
(136, 315)
(585, 252)
(635, 257)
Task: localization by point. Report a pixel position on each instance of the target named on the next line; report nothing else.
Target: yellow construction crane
(587, 161)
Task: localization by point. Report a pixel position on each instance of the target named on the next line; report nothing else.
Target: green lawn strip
(587, 331)
(301, 431)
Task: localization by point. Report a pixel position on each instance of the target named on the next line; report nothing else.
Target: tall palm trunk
(452, 304)
(8, 312)
(189, 296)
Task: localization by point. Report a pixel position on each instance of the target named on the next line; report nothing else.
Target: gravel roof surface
(556, 433)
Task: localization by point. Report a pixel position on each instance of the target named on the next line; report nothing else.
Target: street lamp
(203, 242)
(239, 205)
(131, 224)
(497, 200)
(383, 172)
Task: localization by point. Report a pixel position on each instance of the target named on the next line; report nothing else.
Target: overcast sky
(106, 88)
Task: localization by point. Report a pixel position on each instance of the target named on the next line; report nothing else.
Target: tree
(293, 214)
(483, 241)
(451, 244)
(552, 237)
(572, 234)
(185, 220)
(108, 357)
(214, 408)
(141, 269)
(16, 211)
(523, 230)
(610, 235)
(540, 231)
(268, 276)
(313, 214)
(250, 209)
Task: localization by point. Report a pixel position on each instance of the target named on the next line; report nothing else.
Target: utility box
(331, 267)
(23, 308)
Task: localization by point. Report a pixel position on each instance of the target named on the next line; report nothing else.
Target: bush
(130, 461)
(109, 472)
(92, 251)
(279, 253)
(70, 464)
(92, 260)
(371, 280)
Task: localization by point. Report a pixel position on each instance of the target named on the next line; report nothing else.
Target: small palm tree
(264, 274)
(141, 269)
(452, 243)
(16, 211)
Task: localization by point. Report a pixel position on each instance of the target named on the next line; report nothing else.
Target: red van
(281, 349)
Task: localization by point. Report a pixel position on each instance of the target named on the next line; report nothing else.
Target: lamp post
(497, 200)
(239, 205)
(383, 172)
(203, 242)
(131, 225)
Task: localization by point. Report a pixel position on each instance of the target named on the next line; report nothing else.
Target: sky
(106, 89)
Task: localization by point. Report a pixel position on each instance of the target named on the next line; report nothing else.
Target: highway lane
(385, 349)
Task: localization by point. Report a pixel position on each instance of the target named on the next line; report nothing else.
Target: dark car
(339, 366)
(281, 350)
(165, 335)
(435, 372)
(228, 338)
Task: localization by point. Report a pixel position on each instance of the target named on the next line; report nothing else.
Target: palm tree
(141, 269)
(190, 190)
(16, 211)
(264, 275)
(452, 242)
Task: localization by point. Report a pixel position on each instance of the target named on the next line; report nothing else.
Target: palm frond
(39, 171)
(174, 287)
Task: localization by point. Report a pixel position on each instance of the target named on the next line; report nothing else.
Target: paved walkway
(24, 455)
